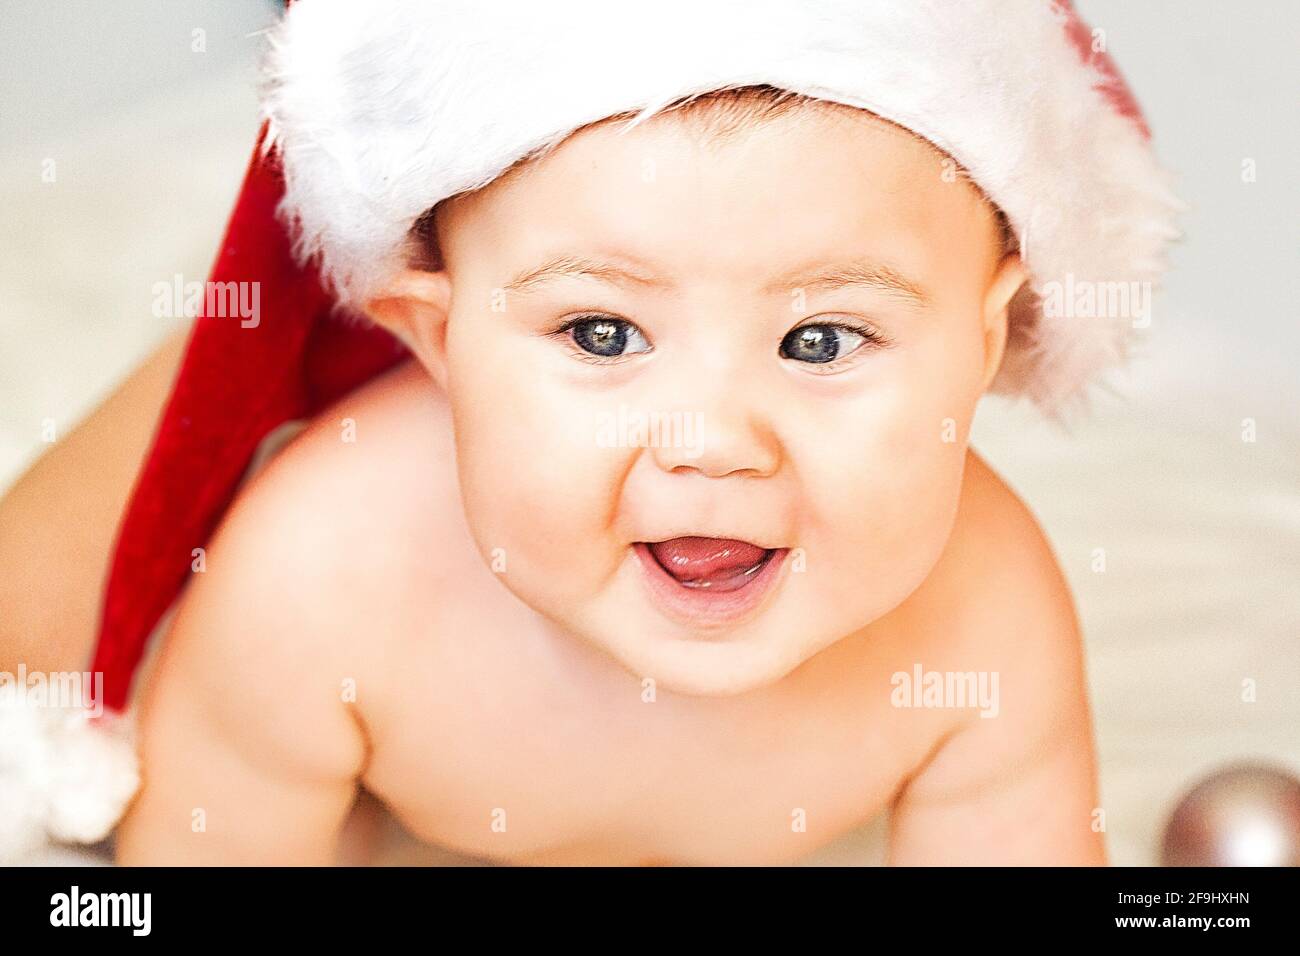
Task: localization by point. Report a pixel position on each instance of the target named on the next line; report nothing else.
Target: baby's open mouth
(708, 582)
(720, 564)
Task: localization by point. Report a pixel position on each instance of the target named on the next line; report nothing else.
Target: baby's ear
(414, 306)
(1008, 277)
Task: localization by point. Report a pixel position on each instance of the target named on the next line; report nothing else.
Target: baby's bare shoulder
(351, 495)
(370, 457)
(999, 604)
(1010, 613)
(328, 535)
(1002, 571)
(1015, 782)
(253, 700)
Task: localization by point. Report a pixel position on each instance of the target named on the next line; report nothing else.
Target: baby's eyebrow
(584, 267)
(819, 279)
(875, 275)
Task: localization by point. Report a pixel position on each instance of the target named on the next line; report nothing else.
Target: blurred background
(145, 113)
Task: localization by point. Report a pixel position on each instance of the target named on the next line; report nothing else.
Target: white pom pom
(62, 777)
(22, 779)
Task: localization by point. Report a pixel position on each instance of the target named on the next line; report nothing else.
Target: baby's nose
(726, 436)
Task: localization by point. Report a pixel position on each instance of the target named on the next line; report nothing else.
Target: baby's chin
(692, 669)
(708, 656)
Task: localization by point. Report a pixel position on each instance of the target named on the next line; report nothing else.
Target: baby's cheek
(539, 485)
(889, 488)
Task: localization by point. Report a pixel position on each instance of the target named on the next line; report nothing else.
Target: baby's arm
(249, 754)
(1018, 788)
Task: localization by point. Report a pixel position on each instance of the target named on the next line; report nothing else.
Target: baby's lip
(718, 564)
(719, 583)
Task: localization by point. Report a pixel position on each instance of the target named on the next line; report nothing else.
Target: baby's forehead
(743, 130)
(783, 165)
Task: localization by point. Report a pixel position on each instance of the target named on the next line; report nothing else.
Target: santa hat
(377, 112)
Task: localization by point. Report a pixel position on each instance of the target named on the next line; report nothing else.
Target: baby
(667, 545)
(564, 652)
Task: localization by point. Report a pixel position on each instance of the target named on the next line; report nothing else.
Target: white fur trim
(62, 776)
(382, 110)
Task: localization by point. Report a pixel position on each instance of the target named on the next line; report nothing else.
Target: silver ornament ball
(1243, 815)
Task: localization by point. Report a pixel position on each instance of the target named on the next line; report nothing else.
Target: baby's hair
(715, 116)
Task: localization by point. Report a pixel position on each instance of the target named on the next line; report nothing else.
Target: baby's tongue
(707, 562)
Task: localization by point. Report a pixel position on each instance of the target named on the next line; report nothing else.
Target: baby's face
(711, 398)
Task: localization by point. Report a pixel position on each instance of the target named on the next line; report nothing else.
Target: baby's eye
(821, 342)
(606, 336)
